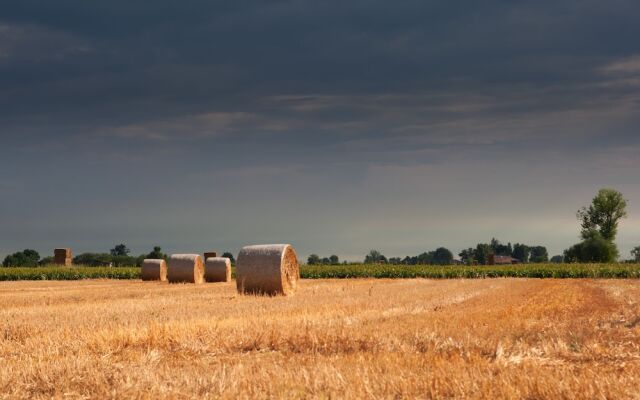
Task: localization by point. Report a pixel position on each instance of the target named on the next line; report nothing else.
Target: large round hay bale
(154, 270)
(217, 269)
(185, 268)
(267, 269)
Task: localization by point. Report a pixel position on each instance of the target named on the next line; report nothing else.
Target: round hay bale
(217, 269)
(154, 270)
(267, 269)
(185, 268)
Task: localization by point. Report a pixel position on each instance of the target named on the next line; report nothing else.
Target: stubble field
(489, 338)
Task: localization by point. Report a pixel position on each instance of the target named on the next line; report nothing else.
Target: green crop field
(360, 271)
(478, 271)
(55, 273)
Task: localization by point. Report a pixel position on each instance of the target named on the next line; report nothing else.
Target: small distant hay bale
(210, 254)
(62, 256)
(186, 268)
(217, 269)
(270, 269)
(154, 270)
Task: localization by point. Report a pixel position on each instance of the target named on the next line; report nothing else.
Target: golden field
(492, 338)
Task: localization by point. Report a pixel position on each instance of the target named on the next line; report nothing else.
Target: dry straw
(62, 256)
(154, 270)
(267, 269)
(185, 268)
(217, 269)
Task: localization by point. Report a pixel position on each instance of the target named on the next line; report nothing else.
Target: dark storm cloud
(77, 65)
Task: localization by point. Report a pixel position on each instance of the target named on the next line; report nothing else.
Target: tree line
(118, 256)
(598, 229)
(473, 255)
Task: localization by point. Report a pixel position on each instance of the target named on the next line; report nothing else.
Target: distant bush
(594, 248)
(107, 259)
(26, 258)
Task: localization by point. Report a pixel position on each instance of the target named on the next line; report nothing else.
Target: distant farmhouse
(502, 260)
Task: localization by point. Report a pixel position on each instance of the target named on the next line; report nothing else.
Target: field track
(496, 338)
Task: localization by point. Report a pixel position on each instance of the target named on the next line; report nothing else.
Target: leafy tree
(593, 248)
(425, 258)
(410, 260)
(442, 256)
(120, 250)
(93, 259)
(467, 256)
(557, 259)
(539, 254)
(326, 261)
(229, 256)
(603, 215)
(126, 261)
(313, 259)
(636, 254)
(500, 249)
(46, 261)
(26, 258)
(521, 252)
(375, 257)
(395, 260)
(156, 254)
(482, 253)
(334, 259)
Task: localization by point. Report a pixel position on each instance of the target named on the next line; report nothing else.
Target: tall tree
(539, 254)
(467, 256)
(521, 252)
(604, 214)
(120, 250)
(229, 256)
(375, 257)
(482, 253)
(442, 256)
(156, 253)
(313, 259)
(636, 253)
(334, 259)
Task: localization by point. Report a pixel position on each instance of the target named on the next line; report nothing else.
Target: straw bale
(267, 269)
(185, 268)
(154, 270)
(62, 256)
(217, 269)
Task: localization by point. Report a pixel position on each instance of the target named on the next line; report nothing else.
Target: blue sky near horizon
(336, 126)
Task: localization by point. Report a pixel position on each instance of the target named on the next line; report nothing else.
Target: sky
(337, 126)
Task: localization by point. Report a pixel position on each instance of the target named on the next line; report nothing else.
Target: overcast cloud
(337, 126)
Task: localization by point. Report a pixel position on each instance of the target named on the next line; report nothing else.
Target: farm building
(502, 260)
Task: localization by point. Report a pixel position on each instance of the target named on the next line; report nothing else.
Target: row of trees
(478, 255)
(315, 259)
(521, 252)
(599, 226)
(119, 256)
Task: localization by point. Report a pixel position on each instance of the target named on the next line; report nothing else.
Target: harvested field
(506, 338)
